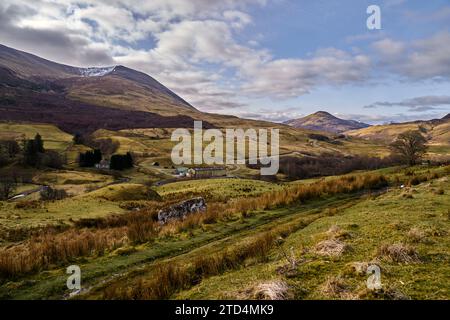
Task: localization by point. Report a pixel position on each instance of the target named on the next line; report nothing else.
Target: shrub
(50, 194)
(32, 204)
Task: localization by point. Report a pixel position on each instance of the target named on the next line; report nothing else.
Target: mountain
(85, 99)
(324, 121)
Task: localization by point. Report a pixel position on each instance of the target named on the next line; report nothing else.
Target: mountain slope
(113, 86)
(324, 121)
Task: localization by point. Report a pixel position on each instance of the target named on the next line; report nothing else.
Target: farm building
(208, 172)
(104, 164)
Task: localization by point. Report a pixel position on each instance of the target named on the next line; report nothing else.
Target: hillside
(437, 131)
(33, 89)
(324, 121)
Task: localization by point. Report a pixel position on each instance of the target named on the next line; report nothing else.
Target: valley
(86, 170)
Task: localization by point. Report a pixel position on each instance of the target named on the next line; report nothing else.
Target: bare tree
(411, 146)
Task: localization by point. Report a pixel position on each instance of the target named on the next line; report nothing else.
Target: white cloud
(417, 60)
(418, 104)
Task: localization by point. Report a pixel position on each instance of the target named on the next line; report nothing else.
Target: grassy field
(218, 188)
(420, 221)
(51, 213)
(54, 138)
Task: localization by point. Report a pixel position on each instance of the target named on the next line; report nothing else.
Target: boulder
(180, 210)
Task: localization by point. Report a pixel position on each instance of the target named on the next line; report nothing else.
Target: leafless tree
(411, 146)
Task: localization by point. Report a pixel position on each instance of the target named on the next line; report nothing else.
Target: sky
(261, 59)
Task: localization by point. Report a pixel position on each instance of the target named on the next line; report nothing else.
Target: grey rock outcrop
(180, 210)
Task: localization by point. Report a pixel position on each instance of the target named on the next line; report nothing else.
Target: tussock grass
(331, 248)
(416, 235)
(335, 287)
(399, 253)
(271, 290)
(42, 251)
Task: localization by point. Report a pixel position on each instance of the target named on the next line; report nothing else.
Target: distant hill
(437, 131)
(324, 121)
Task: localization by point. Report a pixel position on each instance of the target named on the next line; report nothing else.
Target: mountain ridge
(33, 68)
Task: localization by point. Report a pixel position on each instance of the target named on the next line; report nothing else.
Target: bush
(7, 187)
(49, 193)
(52, 159)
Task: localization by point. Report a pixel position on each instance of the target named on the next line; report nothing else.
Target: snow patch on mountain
(96, 72)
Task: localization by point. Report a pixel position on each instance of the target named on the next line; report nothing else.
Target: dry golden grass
(45, 250)
(331, 248)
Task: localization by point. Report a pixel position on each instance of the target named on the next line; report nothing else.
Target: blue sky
(262, 59)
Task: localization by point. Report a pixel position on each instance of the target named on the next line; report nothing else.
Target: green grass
(54, 138)
(51, 213)
(121, 192)
(219, 188)
(371, 223)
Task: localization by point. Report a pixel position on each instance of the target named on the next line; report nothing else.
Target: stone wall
(180, 210)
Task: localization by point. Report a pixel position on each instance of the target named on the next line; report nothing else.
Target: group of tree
(106, 145)
(121, 162)
(9, 149)
(90, 158)
(35, 155)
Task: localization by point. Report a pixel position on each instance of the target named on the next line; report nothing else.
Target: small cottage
(104, 164)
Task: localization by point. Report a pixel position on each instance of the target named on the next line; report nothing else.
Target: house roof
(210, 169)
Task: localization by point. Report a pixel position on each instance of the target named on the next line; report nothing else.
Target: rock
(181, 210)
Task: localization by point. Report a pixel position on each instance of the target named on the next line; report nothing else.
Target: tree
(30, 154)
(7, 187)
(410, 146)
(33, 151)
(78, 139)
(90, 158)
(39, 144)
(121, 162)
